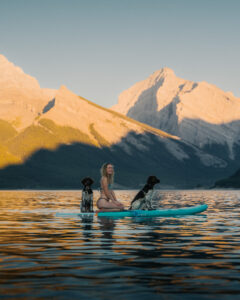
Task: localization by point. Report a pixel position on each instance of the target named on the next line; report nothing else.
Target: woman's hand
(119, 204)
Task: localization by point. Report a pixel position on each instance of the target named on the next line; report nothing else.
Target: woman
(107, 200)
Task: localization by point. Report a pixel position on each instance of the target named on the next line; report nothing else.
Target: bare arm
(115, 200)
(113, 195)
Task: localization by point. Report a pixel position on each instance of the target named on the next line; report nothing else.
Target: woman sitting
(107, 200)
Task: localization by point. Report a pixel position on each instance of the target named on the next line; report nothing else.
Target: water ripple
(46, 256)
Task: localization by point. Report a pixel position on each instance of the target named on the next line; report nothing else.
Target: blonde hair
(103, 171)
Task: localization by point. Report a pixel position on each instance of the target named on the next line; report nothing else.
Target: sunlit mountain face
(53, 138)
(197, 112)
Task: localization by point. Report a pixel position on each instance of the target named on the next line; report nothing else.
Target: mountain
(197, 112)
(21, 98)
(52, 139)
(232, 181)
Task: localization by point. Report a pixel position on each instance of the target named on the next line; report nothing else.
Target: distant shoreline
(129, 189)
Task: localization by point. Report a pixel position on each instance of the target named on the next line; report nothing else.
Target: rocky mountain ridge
(21, 98)
(198, 112)
(50, 139)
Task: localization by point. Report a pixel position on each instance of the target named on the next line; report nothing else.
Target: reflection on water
(46, 256)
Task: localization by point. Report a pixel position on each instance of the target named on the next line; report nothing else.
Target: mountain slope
(75, 136)
(21, 98)
(51, 139)
(231, 182)
(199, 113)
(135, 157)
(58, 152)
(73, 119)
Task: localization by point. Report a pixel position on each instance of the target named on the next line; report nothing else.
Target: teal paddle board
(150, 213)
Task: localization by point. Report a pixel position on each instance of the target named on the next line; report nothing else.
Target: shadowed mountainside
(199, 113)
(65, 166)
(231, 182)
(51, 139)
(49, 155)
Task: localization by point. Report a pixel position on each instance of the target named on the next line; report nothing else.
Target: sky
(99, 48)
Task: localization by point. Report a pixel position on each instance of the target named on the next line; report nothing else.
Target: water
(44, 256)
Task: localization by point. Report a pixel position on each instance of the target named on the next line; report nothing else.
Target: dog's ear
(153, 180)
(87, 181)
(84, 181)
(91, 180)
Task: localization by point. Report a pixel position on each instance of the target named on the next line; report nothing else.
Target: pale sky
(98, 48)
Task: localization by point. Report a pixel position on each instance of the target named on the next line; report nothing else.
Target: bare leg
(103, 204)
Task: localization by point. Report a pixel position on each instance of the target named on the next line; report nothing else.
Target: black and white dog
(87, 195)
(144, 197)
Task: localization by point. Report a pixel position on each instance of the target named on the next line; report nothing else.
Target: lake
(46, 256)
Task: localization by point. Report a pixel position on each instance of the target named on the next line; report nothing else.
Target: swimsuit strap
(109, 186)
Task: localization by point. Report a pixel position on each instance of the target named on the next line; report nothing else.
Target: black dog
(143, 198)
(87, 195)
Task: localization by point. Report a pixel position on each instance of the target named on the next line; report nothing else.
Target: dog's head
(87, 181)
(152, 180)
